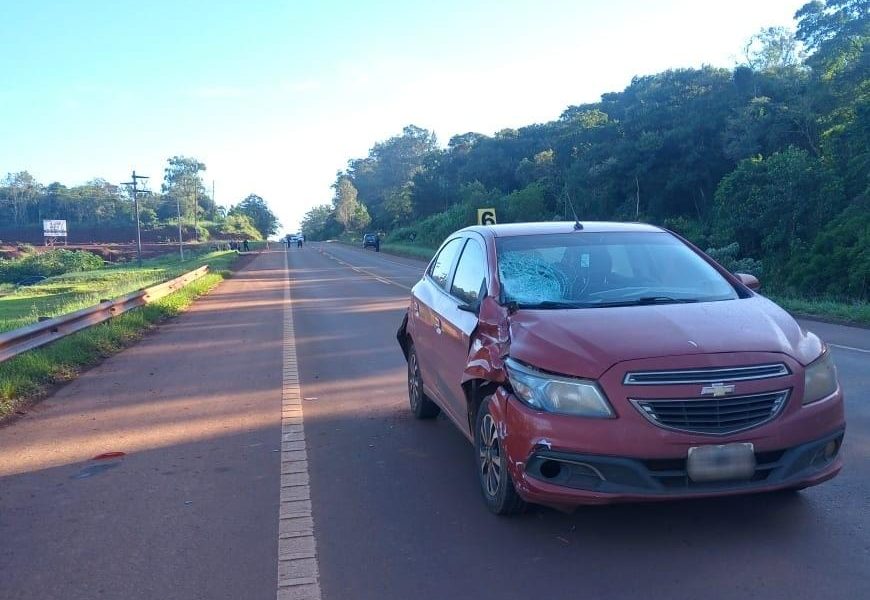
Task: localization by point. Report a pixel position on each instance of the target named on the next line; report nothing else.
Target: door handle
(438, 326)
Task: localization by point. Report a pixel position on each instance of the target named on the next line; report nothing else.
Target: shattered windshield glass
(586, 270)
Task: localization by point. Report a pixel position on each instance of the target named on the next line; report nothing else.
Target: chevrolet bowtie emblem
(717, 390)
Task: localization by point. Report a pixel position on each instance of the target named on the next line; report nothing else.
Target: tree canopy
(105, 210)
(772, 155)
(259, 213)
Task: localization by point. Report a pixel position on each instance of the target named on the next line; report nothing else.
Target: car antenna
(578, 226)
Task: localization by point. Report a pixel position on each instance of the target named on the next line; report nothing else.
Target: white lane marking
(298, 576)
(380, 256)
(380, 278)
(864, 350)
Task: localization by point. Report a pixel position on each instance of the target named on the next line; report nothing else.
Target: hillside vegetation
(765, 164)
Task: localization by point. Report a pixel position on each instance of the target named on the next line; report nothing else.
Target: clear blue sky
(275, 96)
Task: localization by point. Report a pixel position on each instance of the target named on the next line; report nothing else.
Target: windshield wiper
(552, 304)
(647, 300)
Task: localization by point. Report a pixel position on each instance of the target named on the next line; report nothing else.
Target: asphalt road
(191, 510)
(397, 508)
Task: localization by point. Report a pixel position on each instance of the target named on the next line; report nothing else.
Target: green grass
(406, 250)
(26, 376)
(65, 293)
(409, 251)
(849, 312)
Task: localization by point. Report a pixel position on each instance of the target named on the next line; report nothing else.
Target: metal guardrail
(13, 343)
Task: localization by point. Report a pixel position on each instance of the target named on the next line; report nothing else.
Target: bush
(432, 230)
(837, 264)
(238, 226)
(727, 257)
(48, 264)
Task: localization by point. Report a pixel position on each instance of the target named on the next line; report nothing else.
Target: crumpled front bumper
(564, 462)
(552, 477)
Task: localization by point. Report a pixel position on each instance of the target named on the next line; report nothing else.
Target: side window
(470, 273)
(440, 269)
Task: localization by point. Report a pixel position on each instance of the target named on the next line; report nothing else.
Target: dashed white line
(298, 577)
(418, 269)
(358, 269)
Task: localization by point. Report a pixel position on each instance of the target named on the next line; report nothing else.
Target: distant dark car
(32, 280)
(612, 362)
(372, 239)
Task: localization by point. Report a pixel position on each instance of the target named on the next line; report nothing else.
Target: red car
(606, 362)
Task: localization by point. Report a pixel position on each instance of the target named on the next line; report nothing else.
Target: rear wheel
(495, 481)
(421, 405)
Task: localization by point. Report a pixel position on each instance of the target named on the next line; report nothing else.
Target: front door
(458, 324)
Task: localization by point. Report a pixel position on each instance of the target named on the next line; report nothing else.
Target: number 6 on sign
(486, 216)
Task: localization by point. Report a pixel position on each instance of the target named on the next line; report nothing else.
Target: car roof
(553, 227)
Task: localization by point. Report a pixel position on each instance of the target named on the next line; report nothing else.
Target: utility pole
(195, 211)
(135, 192)
(180, 239)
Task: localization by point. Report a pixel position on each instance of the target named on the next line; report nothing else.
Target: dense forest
(103, 212)
(765, 164)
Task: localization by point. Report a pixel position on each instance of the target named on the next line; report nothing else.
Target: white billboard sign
(54, 228)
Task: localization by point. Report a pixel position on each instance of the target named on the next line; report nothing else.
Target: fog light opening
(831, 449)
(550, 469)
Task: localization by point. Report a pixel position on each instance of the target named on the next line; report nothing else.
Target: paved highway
(192, 510)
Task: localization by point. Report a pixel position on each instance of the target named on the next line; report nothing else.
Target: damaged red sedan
(607, 362)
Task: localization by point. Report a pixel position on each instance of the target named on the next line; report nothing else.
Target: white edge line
(865, 351)
(298, 573)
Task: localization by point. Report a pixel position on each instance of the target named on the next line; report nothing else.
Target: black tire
(496, 485)
(421, 405)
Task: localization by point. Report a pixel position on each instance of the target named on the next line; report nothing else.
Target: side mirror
(472, 308)
(750, 281)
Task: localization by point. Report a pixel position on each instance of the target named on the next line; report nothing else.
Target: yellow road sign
(486, 216)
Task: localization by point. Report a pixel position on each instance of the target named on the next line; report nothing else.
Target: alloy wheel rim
(414, 383)
(489, 454)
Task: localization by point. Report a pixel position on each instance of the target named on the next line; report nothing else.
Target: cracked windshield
(469, 299)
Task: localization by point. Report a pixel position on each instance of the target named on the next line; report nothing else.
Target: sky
(275, 96)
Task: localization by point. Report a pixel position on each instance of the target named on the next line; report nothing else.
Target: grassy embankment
(72, 291)
(824, 308)
(857, 313)
(26, 377)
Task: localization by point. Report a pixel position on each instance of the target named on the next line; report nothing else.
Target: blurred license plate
(726, 462)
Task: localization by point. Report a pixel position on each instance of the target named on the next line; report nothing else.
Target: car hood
(587, 342)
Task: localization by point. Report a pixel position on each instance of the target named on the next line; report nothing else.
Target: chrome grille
(717, 416)
(708, 375)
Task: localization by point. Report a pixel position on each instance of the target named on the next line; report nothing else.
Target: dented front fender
(489, 345)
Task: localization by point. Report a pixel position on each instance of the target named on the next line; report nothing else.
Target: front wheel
(495, 481)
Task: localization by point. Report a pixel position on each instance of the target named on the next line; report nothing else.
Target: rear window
(606, 269)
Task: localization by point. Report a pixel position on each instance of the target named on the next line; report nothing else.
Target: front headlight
(820, 378)
(563, 395)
